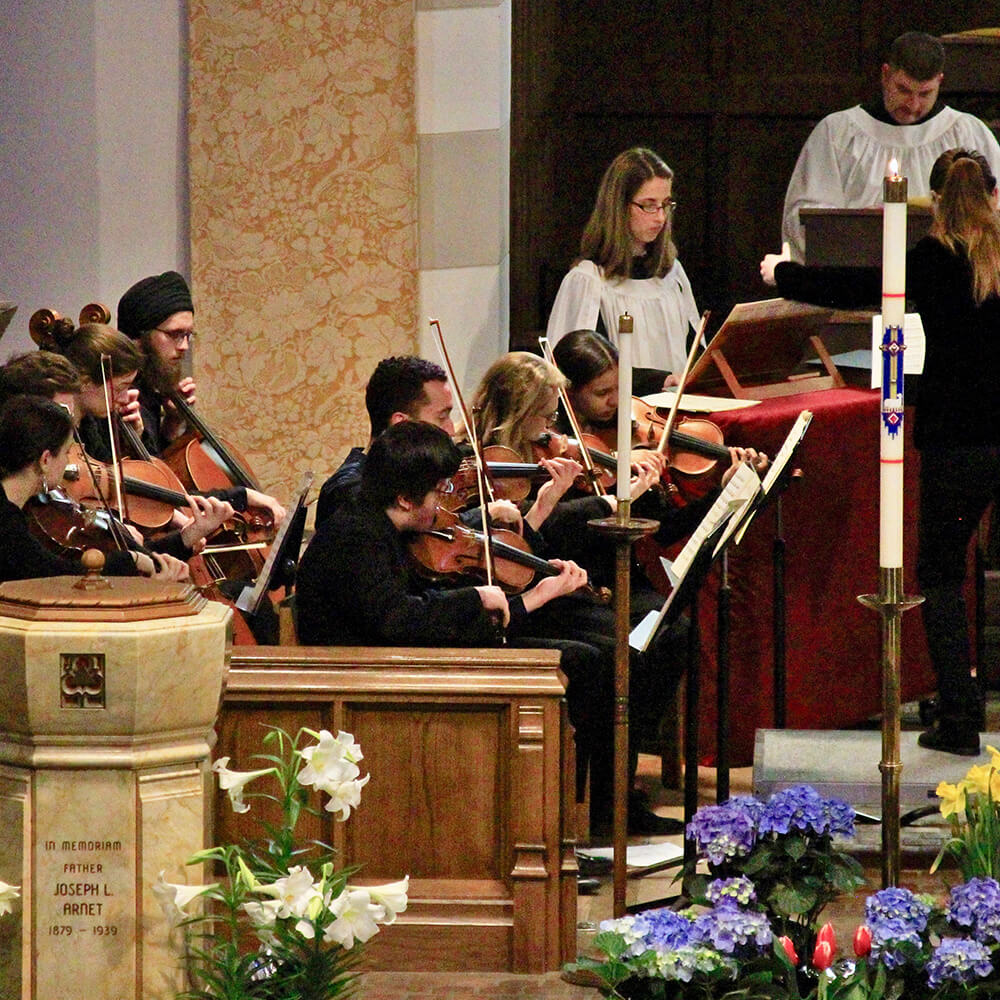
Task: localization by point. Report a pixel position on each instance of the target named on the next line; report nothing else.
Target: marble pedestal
(107, 709)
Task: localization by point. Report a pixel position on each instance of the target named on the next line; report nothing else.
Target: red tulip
(862, 941)
(826, 933)
(823, 955)
(786, 943)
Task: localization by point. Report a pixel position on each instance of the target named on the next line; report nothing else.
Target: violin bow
(109, 396)
(672, 416)
(588, 463)
(485, 488)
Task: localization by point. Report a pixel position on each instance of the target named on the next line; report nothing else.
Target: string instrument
(451, 550)
(155, 493)
(510, 478)
(203, 459)
(68, 528)
(694, 445)
(590, 448)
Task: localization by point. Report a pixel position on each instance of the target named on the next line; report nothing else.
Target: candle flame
(893, 172)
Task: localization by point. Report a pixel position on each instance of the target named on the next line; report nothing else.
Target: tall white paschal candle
(892, 349)
(624, 405)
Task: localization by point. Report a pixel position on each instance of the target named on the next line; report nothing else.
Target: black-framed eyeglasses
(652, 207)
(177, 335)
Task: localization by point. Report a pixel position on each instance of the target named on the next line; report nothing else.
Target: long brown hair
(607, 239)
(966, 216)
(85, 345)
(511, 391)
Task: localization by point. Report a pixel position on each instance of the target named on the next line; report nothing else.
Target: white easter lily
(234, 782)
(330, 761)
(263, 916)
(8, 893)
(345, 796)
(355, 918)
(390, 899)
(173, 898)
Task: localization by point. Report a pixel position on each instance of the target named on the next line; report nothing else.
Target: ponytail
(966, 216)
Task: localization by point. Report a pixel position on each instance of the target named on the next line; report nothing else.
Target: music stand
(757, 351)
(7, 310)
(279, 568)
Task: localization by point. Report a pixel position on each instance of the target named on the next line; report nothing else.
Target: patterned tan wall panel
(303, 219)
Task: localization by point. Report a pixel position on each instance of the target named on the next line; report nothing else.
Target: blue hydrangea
(976, 906)
(682, 964)
(959, 960)
(733, 931)
(800, 807)
(659, 930)
(839, 817)
(737, 891)
(897, 919)
(723, 832)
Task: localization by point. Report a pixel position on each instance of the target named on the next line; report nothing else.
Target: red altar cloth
(831, 525)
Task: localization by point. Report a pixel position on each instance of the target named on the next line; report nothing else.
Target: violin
(510, 478)
(694, 445)
(68, 528)
(451, 550)
(553, 445)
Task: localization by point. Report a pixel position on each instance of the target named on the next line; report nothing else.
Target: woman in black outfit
(35, 438)
(953, 280)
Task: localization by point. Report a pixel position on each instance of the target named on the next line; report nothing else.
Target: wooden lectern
(761, 349)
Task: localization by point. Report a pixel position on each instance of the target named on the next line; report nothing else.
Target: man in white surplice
(844, 160)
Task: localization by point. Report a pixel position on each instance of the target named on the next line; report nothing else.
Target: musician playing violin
(158, 314)
(411, 388)
(36, 435)
(53, 376)
(589, 362)
(356, 585)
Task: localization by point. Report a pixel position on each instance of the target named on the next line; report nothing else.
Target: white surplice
(662, 310)
(844, 160)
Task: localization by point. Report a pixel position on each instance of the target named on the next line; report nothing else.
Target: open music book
(732, 511)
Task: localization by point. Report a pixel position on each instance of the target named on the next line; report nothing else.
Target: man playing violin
(158, 313)
(400, 388)
(356, 585)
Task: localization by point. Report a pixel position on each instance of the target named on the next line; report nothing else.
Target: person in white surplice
(628, 262)
(844, 160)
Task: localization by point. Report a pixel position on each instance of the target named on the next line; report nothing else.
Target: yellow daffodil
(952, 798)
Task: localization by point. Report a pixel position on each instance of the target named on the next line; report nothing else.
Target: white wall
(93, 150)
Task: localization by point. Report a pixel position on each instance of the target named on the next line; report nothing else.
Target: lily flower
(345, 796)
(330, 761)
(355, 918)
(390, 899)
(263, 916)
(173, 898)
(8, 893)
(234, 782)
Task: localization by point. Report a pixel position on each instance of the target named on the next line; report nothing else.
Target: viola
(155, 491)
(450, 551)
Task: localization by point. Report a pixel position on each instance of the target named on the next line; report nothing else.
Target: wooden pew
(472, 791)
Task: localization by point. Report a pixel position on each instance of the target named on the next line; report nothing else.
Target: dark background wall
(725, 93)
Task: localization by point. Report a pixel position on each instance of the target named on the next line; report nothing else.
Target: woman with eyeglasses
(628, 262)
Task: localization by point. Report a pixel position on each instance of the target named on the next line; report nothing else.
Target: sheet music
(695, 403)
(779, 462)
(737, 494)
(788, 446)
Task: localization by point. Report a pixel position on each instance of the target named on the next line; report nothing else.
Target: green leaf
(795, 847)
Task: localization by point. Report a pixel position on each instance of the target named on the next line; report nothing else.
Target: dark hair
(85, 345)
(583, 355)
(30, 426)
(38, 373)
(918, 55)
(397, 386)
(408, 460)
(607, 238)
